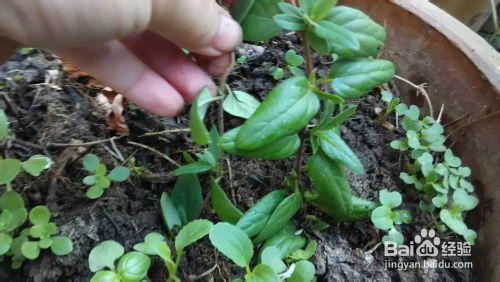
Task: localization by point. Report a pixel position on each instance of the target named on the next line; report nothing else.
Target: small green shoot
(100, 179)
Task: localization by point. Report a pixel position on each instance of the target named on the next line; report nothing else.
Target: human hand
(133, 46)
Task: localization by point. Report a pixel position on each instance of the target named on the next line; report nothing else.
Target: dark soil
(41, 117)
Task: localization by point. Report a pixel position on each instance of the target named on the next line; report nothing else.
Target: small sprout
(385, 217)
(241, 60)
(292, 59)
(277, 73)
(100, 180)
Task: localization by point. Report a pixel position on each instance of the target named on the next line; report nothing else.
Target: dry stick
(421, 90)
(55, 144)
(179, 130)
(155, 151)
(471, 123)
(205, 273)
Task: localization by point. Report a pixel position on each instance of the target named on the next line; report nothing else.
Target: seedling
(277, 73)
(386, 218)
(155, 245)
(443, 184)
(100, 179)
(132, 266)
(235, 244)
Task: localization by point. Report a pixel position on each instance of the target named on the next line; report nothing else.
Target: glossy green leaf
(293, 59)
(390, 199)
(5, 243)
(90, 162)
(354, 78)
(45, 243)
(187, 197)
(104, 255)
(9, 169)
(465, 201)
(61, 245)
(240, 104)
(89, 180)
(119, 174)
(317, 43)
(169, 212)
(133, 266)
(154, 244)
(192, 232)
(240, 9)
(258, 24)
(270, 257)
(14, 203)
(94, 192)
(413, 140)
(199, 132)
(285, 241)
(105, 276)
(193, 168)
(343, 42)
(382, 218)
(451, 159)
(305, 254)
(338, 120)
(221, 204)
(290, 22)
(286, 110)
(440, 200)
(30, 250)
(232, 242)
(39, 215)
(254, 219)
(332, 186)
(321, 9)
(262, 273)
(4, 125)
(304, 272)
(371, 36)
(336, 149)
(36, 164)
(283, 213)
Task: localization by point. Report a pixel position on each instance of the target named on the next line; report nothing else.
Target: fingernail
(228, 36)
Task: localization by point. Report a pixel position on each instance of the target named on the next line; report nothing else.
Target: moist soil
(43, 117)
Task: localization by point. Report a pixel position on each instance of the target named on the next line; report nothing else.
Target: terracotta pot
(462, 73)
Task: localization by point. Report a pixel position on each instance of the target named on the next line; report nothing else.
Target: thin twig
(77, 144)
(205, 273)
(179, 130)
(440, 115)
(471, 123)
(420, 90)
(155, 151)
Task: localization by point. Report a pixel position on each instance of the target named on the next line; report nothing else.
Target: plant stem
(9, 186)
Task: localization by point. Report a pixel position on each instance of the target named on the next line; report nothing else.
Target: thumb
(201, 26)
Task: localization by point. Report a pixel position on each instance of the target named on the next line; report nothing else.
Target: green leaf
(332, 186)
(240, 104)
(440, 200)
(193, 168)
(133, 266)
(305, 254)
(154, 244)
(101, 171)
(304, 271)
(232, 242)
(278, 150)
(455, 223)
(44, 243)
(169, 212)
(293, 59)
(61, 245)
(5, 243)
(290, 9)
(240, 9)
(286, 110)
(321, 8)
(4, 125)
(39, 215)
(408, 179)
(413, 140)
(222, 205)
(390, 199)
(371, 36)
(341, 41)
(36, 164)
(402, 216)
(270, 257)
(30, 250)
(9, 169)
(94, 192)
(280, 216)
(317, 43)
(382, 218)
(428, 207)
(105, 276)
(258, 24)
(354, 78)
(187, 197)
(90, 162)
(464, 171)
(285, 241)
(451, 160)
(14, 203)
(89, 180)
(254, 219)
(290, 22)
(192, 232)
(262, 273)
(199, 132)
(104, 255)
(306, 6)
(338, 120)
(336, 149)
(470, 236)
(119, 174)
(465, 201)
(394, 236)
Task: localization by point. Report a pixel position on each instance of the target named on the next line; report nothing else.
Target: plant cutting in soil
(289, 170)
